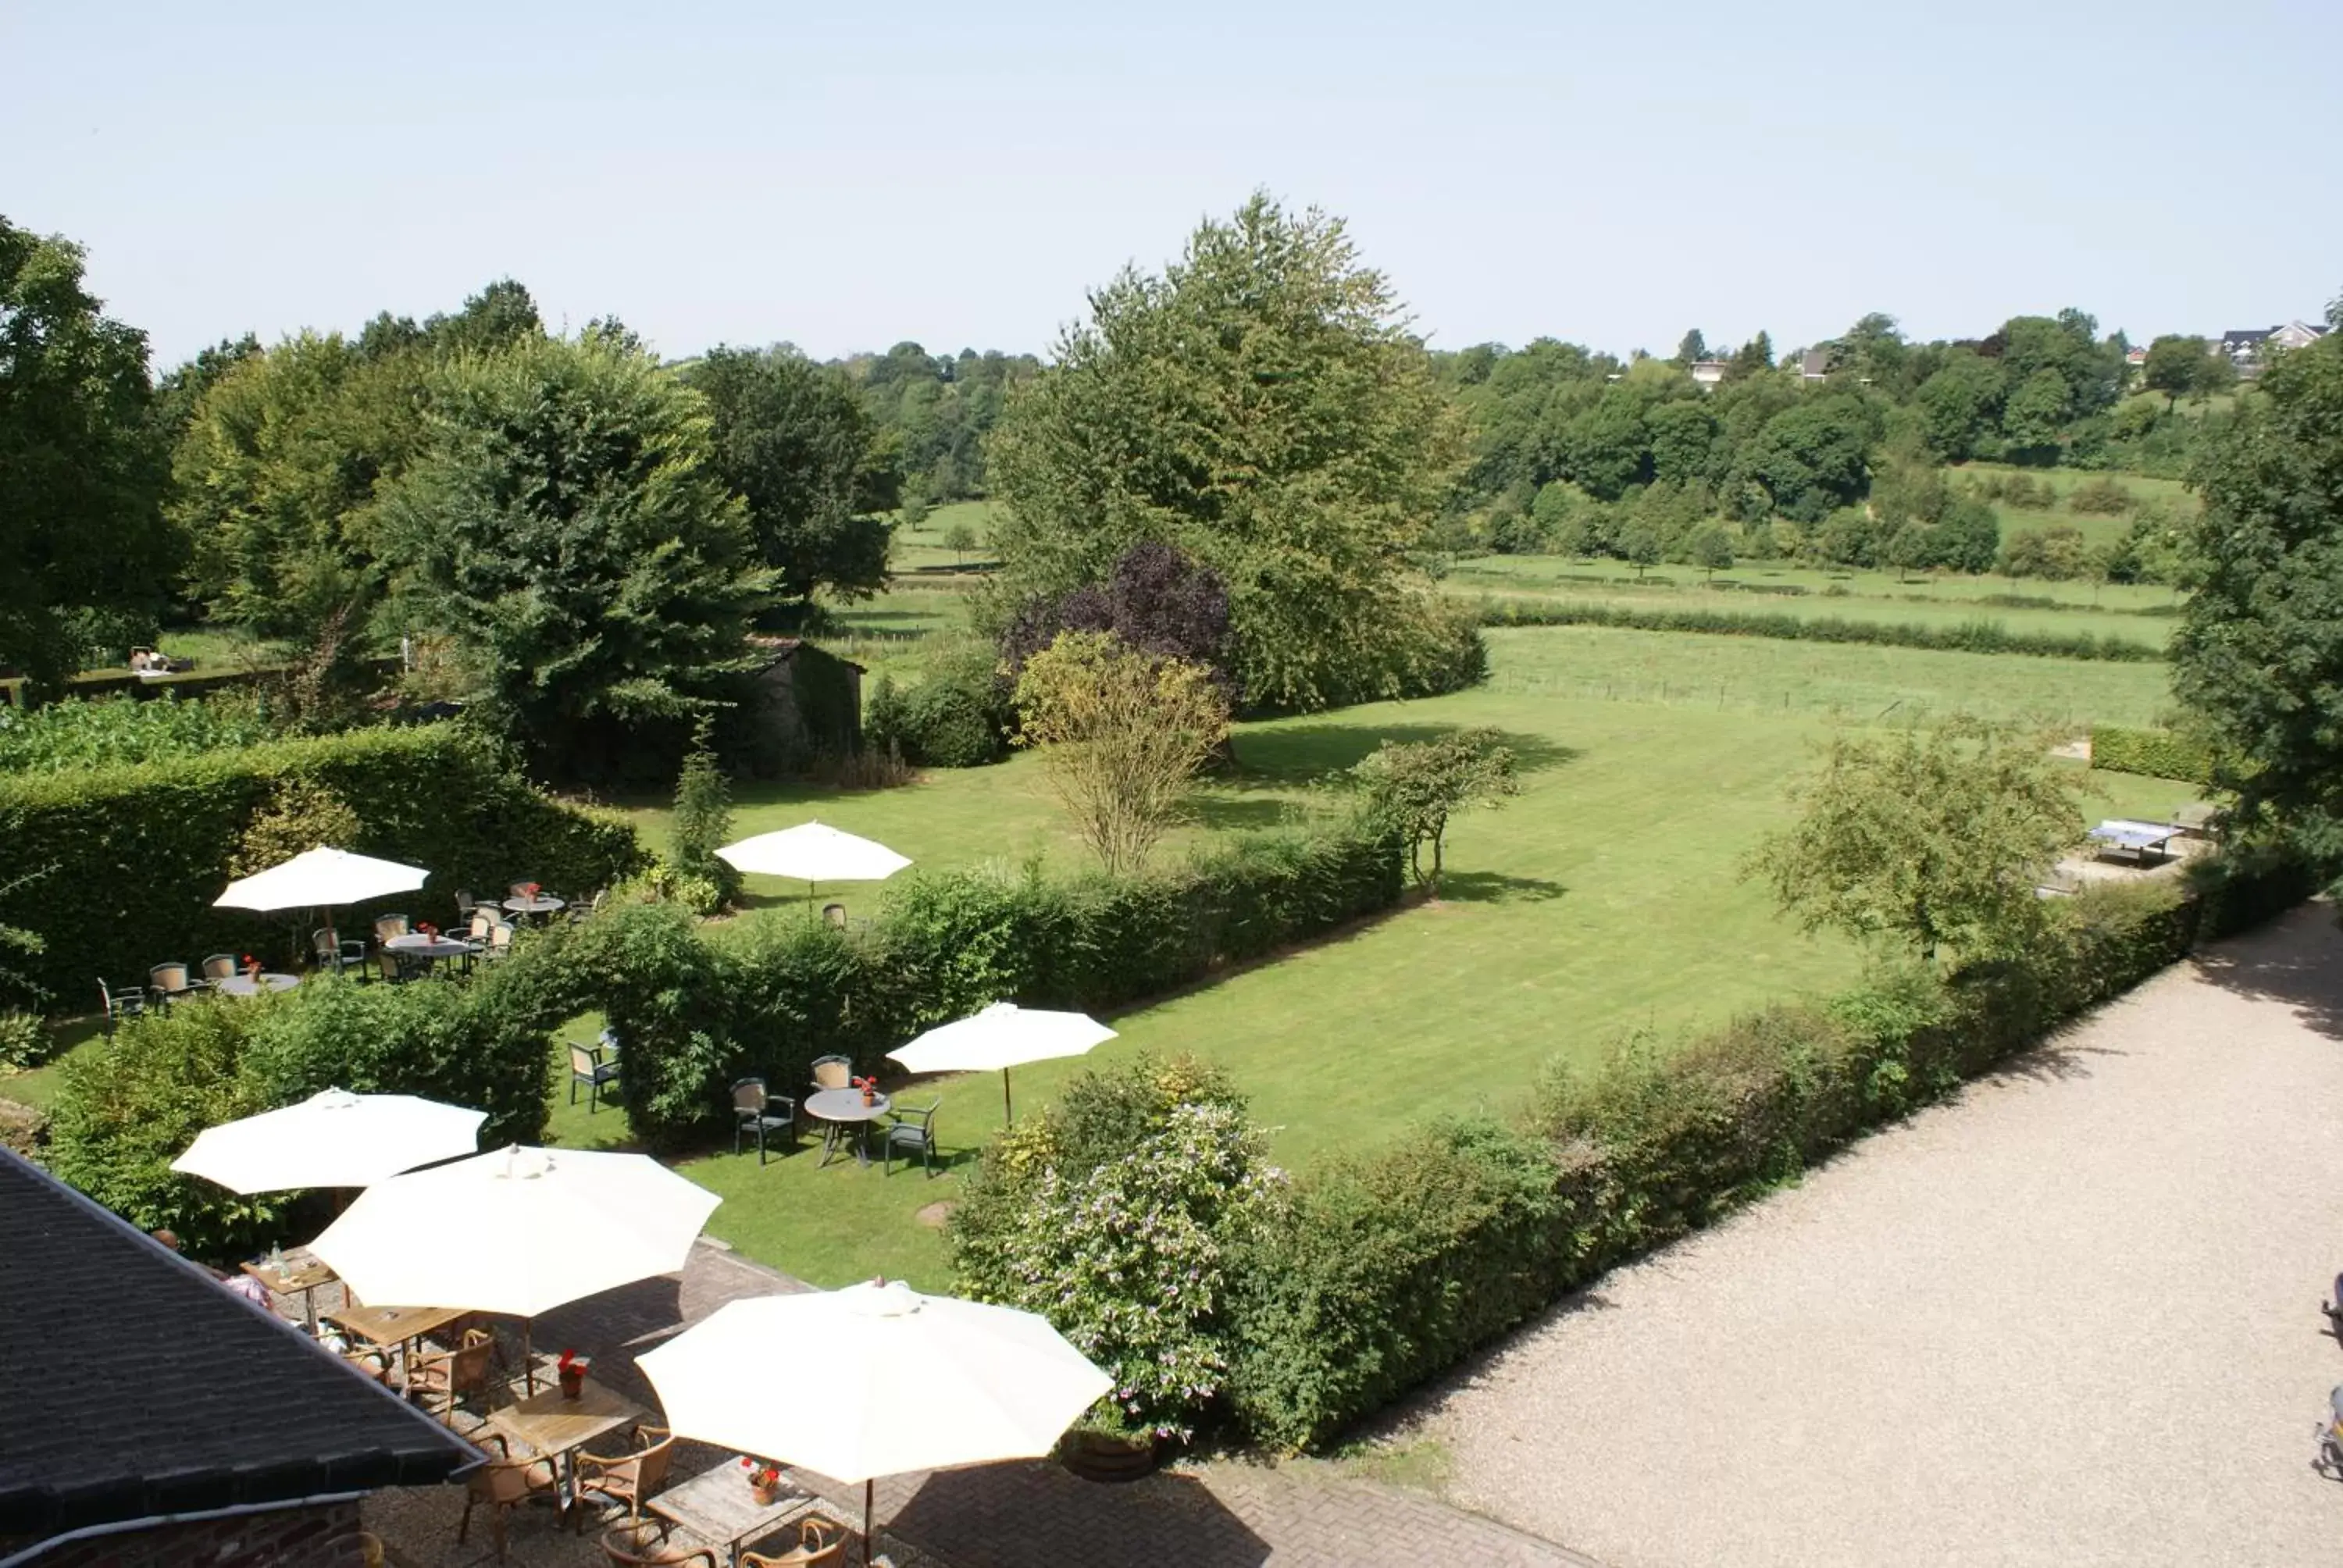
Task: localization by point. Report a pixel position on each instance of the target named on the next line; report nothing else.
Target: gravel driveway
(2069, 1318)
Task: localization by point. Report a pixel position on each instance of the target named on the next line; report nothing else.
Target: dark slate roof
(131, 1385)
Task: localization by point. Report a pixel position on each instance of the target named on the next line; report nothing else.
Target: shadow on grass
(1496, 887)
(1305, 752)
(1241, 813)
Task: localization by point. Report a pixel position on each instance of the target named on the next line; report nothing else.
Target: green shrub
(130, 1107)
(113, 731)
(2158, 753)
(24, 1040)
(959, 717)
(1117, 1215)
(1979, 635)
(134, 856)
(769, 993)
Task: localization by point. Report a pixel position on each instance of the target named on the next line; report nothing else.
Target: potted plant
(764, 1480)
(571, 1369)
(1106, 1445)
(870, 1087)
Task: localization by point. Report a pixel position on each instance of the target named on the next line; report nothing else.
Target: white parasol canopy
(334, 1139)
(813, 852)
(1002, 1036)
(894, 1382)
(317, 877)
(516, 1231)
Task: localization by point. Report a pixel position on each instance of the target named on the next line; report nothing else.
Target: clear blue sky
(958, 174)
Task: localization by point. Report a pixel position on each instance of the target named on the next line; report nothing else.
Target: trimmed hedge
(1387, 1270)
(698, 1008)
(2158, 753)
(1982, 636)
(129, 860)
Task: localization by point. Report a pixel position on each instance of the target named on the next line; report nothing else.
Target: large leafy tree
(276, 476)
(1938, 835)
(2258, 654)
(794, 440)
(81, 475)
(1810, 457)
(1261, 406)
(567, 532)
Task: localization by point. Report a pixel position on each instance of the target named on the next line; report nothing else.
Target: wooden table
(297, 1276)
(558, 1427)
(399, 1326)
(720, 1507)
(840, 1108)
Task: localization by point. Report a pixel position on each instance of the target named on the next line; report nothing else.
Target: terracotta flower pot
(573, 1381)
(1107, 1457)
(766, 1493)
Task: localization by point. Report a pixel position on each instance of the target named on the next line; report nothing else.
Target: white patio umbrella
(516, 1231)
(895, 1381)
(333, 1139)
(1002, 1036)
(320, 878)
(813, 852)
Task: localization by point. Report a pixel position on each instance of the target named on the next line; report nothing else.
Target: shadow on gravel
(2058, 1061)
(2296, 961)
(1039, 1516)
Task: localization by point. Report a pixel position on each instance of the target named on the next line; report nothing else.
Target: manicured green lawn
(1602, 903)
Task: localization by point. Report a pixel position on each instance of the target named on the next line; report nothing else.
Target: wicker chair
(372, 1360)
(832, 1071)
(501, 939)
(835, 914)
(644, 1543)
(388, 926)
(821, 1543)
(630, 1478)
(504, 1484)
(450, 1375)
(219, 967)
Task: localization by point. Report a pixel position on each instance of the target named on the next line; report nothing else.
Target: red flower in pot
(764, 1480)
(870, 1087)
(571, 1369)
(252, 966)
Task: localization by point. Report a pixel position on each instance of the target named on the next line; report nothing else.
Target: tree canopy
(1261, 406)
(2259, 653)
(567, 530)
(81, 529)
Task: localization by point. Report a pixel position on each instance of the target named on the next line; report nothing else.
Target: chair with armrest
(913, 1130)
(388, 926)
(167, 983)
(630, 1478)
(755, 1110)
(504, 1484)
(649, 1544)
(821, 1543)
(219, 967)
(451, 1375)
(832, 1071)
(120, 1003)
(591, 1066)
(336, 952)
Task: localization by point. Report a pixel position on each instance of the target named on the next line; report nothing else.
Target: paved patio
(1030, 1515)
(2069, 1318)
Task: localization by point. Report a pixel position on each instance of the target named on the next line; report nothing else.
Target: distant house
(1708, 372)
(2136, 357)
(154, 1419)
(1814, 365)
(2247, 346)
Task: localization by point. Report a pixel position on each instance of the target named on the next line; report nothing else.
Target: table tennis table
(2140, 840)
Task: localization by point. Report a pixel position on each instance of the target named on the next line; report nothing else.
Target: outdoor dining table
(543, 904)
(297, 1275)
(253, 985)
(428, 948)
(396, 1327)
(558, 1427)
(720, 1507)
(842, 1107)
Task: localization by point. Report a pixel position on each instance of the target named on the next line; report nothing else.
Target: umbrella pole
(866, 1520)
(527, 1361)
(1007, 1115)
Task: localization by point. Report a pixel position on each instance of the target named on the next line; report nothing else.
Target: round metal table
(543, 904)
(253, 985)
(430, 948)
(843, 1107)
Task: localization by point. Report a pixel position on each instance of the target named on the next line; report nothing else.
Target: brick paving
(1017, 1515)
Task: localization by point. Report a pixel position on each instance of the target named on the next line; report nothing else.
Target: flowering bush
(1127, 1255)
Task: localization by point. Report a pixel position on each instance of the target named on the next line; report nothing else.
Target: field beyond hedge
(1602, 903)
